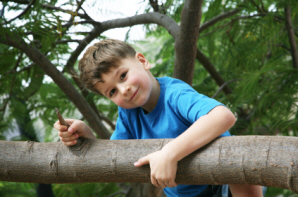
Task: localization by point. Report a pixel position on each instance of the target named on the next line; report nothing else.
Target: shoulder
(174, 86)
(170, 82)
(173, 89)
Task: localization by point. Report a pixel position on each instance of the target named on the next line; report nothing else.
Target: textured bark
(291, 35)
(256, 160)
(186, 41)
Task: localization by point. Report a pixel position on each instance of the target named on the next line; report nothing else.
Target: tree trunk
(186, 41)
(255, 160)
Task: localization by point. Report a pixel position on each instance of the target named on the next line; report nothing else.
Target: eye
(123, 76)
(112, 92)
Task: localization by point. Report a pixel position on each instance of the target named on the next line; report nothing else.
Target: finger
(64, 134)
(154, 181)
(71, 138)
(142, 161)
(60, 127)
(71, 143)
(161, 184)
(172, 184)
(75, 125)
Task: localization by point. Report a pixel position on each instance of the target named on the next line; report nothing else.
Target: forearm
(203, 131)
(89, 133)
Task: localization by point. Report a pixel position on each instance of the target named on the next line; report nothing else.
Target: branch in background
(229, 35)
(67, 41)
(107, 120)
(254, 4)
(283, 46)
(85, 16)
(232, 21)
(41, 60)
(222, 87)
(3, 108)
(14, 69)
(19, 1)
(186, 41)
(161, 19)
(291, 35)
(218, 18)
(27, 8)
(154, 5)
(207, 64)
(263, 7)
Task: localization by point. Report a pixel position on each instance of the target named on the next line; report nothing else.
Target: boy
(153, 108)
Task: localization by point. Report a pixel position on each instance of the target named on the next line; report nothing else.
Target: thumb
(142, 161)
(75, 127)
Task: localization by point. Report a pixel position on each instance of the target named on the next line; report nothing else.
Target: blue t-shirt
(178, 107)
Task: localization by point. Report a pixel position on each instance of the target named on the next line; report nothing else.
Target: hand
(70, 135)
(163, 168)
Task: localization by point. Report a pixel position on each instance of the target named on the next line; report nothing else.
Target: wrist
(170, 153)
(88, 133)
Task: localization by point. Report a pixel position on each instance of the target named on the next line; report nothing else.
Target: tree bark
(255, 160)
(291, 35)
(186, 41)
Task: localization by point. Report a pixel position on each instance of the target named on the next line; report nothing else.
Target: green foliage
(276, 192)
(250, 49)
(12, 189)
(85, 189)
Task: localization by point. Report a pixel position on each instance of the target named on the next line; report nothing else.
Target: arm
(203, 131)
(163, 163)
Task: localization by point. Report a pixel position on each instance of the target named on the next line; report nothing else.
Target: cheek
(140, 78)
(134, 79)
(118, 101)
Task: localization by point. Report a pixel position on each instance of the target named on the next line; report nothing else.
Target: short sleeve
(122, 131)
(191, 105)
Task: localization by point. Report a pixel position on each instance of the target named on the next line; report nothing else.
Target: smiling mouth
(134, 94)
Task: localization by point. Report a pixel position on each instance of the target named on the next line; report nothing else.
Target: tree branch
(186, 42)
(163, 20)
(27, 8)
(291, 35)
(217, 19)
(222, 87)
(207, 64)
(154, 5)
(232, 21)
(85, 16)
(19, 1)
(37, 57)
(254, 160)
(254, 4)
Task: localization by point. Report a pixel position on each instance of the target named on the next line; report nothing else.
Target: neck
(152, 101)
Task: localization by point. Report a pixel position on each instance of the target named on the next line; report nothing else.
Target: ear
(143, 60)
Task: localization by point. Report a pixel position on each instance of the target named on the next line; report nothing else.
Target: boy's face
(129, 85)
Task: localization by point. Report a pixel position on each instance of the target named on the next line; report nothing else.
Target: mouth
(134, 94)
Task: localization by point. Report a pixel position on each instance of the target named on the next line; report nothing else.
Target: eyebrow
(116, 74)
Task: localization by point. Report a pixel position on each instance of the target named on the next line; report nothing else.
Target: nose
(124, 89)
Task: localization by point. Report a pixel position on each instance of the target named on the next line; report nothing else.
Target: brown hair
(100, 58)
